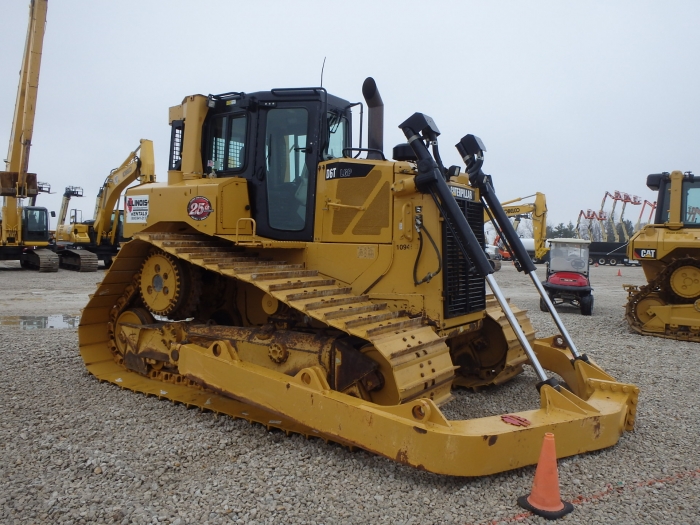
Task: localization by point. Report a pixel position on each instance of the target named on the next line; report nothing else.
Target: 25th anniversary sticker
(199, 208)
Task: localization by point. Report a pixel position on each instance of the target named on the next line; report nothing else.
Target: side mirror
(53, 214)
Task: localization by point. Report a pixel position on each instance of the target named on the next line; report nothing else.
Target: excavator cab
(35, 224)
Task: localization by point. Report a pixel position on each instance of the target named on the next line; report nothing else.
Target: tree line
(568, 231)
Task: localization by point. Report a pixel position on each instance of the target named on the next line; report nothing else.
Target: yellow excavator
(81, 244)
(288, 277)
(25, 228)
(669, 251)
(536, 211)
(72, 237)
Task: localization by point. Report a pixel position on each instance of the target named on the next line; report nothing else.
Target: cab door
(283, 185)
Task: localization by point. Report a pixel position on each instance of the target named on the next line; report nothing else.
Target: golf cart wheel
(587, 304)
(613, 262)
(543, 305)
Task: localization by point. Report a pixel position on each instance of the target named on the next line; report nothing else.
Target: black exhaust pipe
(375, 119)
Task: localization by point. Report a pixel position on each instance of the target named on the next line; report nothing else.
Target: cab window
(36, 220)
(337, 136)
(286, 170)
(35, 225)
(218, 139)
(226, 150)
(236, 143)
(691, 202)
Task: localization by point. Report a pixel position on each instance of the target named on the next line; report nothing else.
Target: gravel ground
(73, 450)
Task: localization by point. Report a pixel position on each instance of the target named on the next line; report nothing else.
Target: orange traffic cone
(619, 273)
(596, 265)
(545, 500)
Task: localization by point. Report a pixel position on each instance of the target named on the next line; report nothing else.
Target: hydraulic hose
(419, 228)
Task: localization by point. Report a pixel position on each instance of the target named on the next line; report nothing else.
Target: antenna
(322, 67)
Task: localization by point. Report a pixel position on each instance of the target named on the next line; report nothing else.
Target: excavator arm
(25, 107)
(139, 164)
(537, 211)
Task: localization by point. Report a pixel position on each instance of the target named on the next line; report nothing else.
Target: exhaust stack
(375, 118)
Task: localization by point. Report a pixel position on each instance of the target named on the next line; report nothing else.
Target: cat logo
(640, 253)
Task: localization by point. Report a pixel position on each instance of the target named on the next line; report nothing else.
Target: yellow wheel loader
(284, 276)
(669, 252)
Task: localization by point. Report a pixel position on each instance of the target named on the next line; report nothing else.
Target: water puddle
(37, 322)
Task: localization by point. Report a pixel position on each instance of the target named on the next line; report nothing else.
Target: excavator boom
(81, 244)
(27, 90)
(139, 164)
(535, 211)
(25, 229)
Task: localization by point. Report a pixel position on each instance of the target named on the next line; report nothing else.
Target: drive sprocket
(168, 286)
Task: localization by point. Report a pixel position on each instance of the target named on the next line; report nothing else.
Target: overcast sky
(571, 99)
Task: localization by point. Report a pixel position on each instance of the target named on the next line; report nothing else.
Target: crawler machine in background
(81, 244)
(669, 252)
(24, 229)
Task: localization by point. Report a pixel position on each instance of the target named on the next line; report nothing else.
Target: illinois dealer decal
(137, 208)
(199, 208)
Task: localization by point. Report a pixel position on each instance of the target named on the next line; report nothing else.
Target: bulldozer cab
(275, 140)
(688, 208)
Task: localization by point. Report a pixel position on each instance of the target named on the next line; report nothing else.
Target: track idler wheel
(168, 286)
(685, 282)
(138, 316)
(644, 305)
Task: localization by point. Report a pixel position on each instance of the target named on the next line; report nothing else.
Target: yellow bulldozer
(284, 276)
(669, 252)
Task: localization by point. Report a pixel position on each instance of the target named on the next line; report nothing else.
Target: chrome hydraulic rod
(516, 327)
(471, 149)
(557, 319)
(430, 180)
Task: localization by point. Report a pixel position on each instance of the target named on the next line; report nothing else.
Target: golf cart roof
(568, 241)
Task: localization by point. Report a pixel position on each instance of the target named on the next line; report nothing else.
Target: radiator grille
(464, 289)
